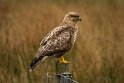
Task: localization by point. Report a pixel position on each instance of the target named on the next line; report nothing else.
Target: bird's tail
(35, 61)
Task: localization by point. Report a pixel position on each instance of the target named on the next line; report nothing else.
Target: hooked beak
(79, 19)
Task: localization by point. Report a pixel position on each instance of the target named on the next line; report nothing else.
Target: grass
(97, 56)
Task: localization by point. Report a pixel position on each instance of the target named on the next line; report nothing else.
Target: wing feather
(54, 41)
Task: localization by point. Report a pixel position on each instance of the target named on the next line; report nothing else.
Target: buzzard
(58, 41)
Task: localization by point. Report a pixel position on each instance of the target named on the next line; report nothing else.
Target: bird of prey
(58, 41)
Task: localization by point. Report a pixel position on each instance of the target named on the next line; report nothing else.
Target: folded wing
(56, 41)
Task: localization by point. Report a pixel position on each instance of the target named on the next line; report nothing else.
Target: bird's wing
(55, 40)
(53, 33)
(48, 36)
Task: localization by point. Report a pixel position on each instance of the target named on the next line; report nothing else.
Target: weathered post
(62, 74)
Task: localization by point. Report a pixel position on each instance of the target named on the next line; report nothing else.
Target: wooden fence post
(62, 74)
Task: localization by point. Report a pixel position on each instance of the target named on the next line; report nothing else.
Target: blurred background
(97, 57)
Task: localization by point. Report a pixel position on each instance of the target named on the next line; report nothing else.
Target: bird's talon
(63, 61)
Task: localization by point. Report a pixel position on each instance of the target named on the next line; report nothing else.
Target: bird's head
(72, 17)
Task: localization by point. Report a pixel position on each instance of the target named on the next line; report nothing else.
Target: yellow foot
(63, 61)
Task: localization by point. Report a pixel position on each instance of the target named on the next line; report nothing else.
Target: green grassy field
(97, 57)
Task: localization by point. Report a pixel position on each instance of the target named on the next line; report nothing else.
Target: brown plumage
(59, 40)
